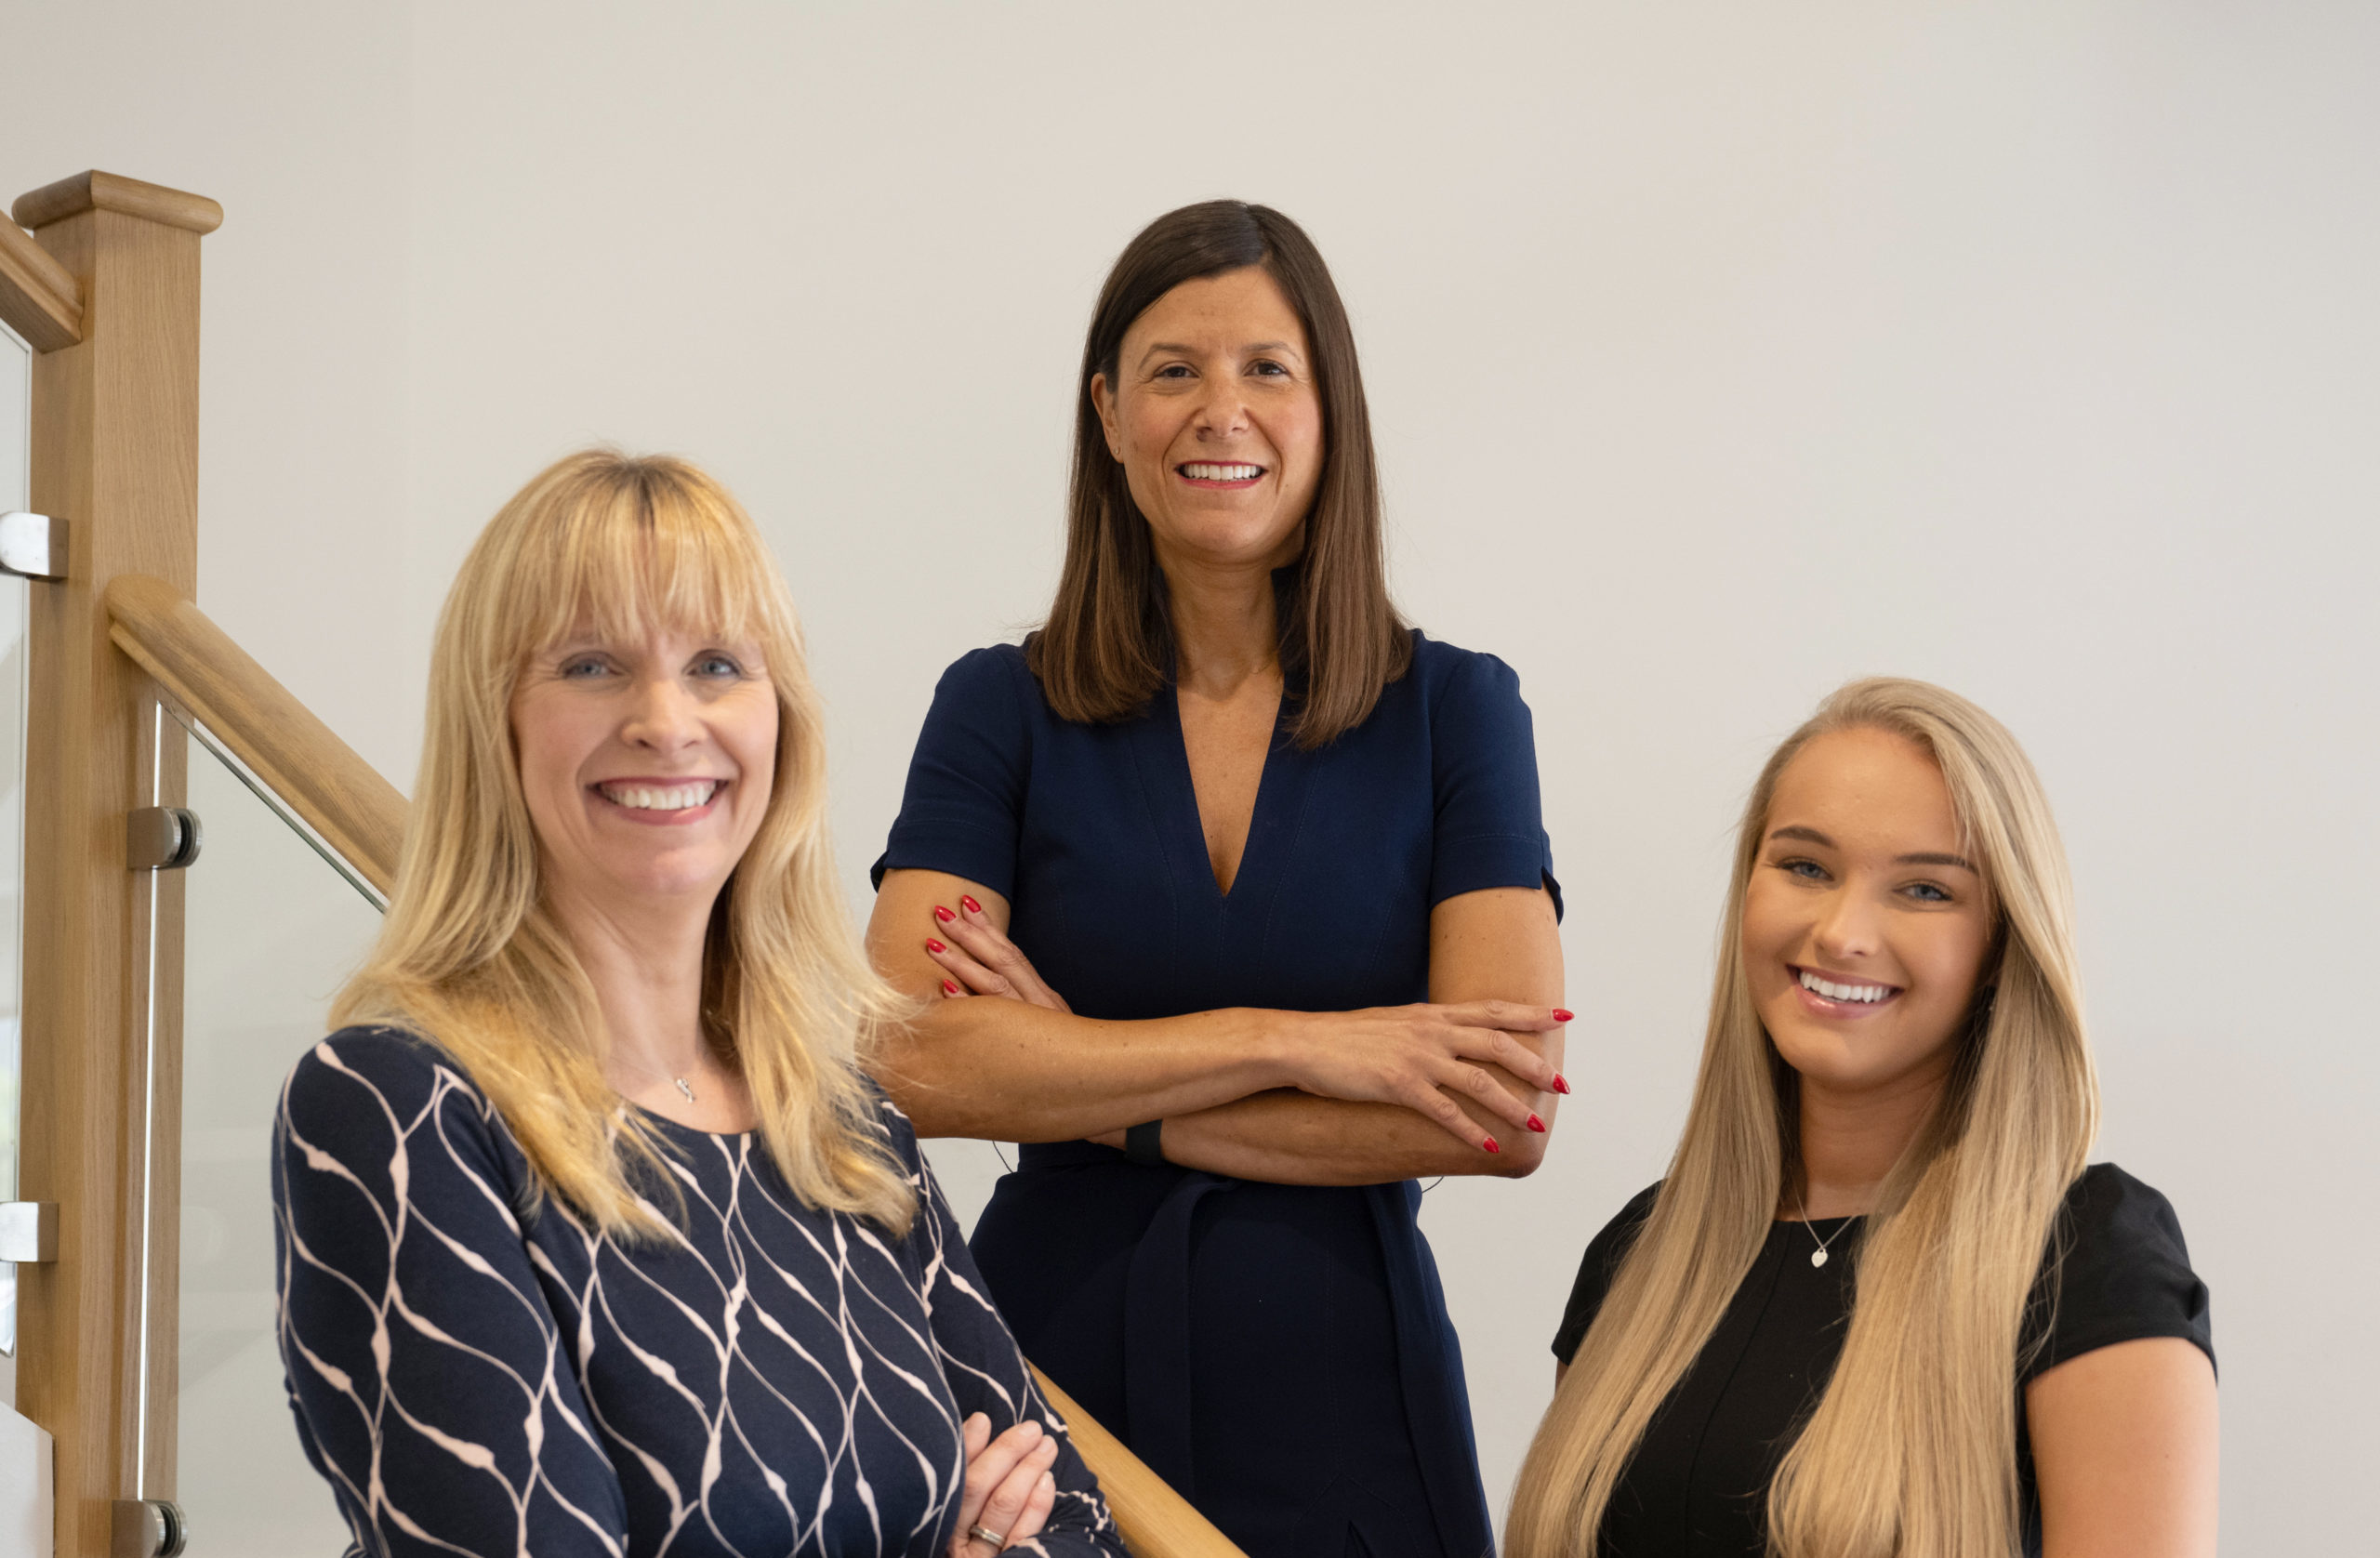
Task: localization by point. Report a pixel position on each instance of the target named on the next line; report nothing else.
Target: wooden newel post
(115, 454)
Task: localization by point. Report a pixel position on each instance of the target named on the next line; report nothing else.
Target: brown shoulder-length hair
(1108, 644)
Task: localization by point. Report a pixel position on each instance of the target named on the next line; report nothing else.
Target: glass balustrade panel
(271, 931)
(16, 477)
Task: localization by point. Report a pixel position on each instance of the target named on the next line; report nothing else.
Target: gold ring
(985, 1534)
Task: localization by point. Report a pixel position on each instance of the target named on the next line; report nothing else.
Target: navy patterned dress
(773, 1381)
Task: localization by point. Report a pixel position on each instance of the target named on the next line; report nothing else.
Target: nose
(1223, 409)
(661, 716)
(1849, 925)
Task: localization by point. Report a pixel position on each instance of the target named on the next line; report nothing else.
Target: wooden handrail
(316, 773)
(1157, 1522)
(39, 297)
(361, 815)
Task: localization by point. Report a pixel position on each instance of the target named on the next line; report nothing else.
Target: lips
(1219, 473)
(649, 794)
(1841, 996)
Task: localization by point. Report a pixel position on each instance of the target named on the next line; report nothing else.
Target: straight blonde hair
(470, 955)
(1910, 1452)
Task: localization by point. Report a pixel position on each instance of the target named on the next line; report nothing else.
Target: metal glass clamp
(161, 838)
(33, 546)
(28, 1231)
(146, 1529)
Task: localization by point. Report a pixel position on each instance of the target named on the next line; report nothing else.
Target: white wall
(1718, 353)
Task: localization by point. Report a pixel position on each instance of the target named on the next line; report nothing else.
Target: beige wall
(1718, 353)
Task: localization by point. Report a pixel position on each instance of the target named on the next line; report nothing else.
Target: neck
(645, 961)
(1851, 1139)
(1224, 627)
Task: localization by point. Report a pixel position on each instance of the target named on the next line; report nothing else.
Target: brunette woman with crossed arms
(1880, 1308)
(1236, 895)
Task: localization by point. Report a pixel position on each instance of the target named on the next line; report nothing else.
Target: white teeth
(646, 798)
(1198, 471)
(1834, 992)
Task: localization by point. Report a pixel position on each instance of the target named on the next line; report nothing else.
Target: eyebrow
(1923, 857)
(1154, 347)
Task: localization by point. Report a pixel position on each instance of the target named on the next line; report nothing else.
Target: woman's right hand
(1009, 1488)
(1425, 1056)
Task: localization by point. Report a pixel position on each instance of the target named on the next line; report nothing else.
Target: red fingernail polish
(968, 903)
(942, 914)
(1561, 1084)
(1537, 1125)
(1491, 1145)
(949, 988)
(932, 945)
(1561, 1016)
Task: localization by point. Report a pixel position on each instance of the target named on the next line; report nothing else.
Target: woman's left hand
(977, 959)
(1009, 1488)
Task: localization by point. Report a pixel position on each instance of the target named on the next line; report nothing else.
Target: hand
(977, 959)
(1009, 1488)
(1425, 1056)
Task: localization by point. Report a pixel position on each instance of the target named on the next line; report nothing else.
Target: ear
(1103, 401)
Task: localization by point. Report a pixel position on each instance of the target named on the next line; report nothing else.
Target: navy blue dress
(476, 1379)
(1280, 1353)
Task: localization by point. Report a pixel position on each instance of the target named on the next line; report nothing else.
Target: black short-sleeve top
(2117, 1271)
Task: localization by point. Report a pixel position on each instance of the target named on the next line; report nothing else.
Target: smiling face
(647, 765)
(1216, 418)
(1865, 929)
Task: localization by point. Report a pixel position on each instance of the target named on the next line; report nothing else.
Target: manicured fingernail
(942, 914)
(1561, 1084)
(1561, 1016)
(968, 903)
(1537, 1125)
(949, 988)
(932, 945)
(1491, 1145)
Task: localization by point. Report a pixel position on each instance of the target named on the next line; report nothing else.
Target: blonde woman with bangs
(593, 1238)
(1880, 1308)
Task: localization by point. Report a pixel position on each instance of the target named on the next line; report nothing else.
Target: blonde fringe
(1910, 1452)
(469, 958)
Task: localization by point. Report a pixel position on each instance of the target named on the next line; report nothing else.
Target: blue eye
(718, 665)
(1807, 870)
(582, 669)
(1927, 893)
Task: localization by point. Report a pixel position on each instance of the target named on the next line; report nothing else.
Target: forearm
(1285, 1137)
(1007, 1071)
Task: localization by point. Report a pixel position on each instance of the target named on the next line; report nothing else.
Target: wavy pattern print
(776, 1381)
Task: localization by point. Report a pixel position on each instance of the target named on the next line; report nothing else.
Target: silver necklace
(683, 1086)
(1817, 1256)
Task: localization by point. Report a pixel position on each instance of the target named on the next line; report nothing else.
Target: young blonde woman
(593, 1239)
(1879, 1308)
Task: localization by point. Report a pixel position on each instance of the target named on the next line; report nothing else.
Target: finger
(1037, 1505)
(975, 1433)
(1006, 1507)
(989, 1467)
(988, 945)
(1511, 1015)
(1484, 1092)
(1432, 1104)
(966, 972)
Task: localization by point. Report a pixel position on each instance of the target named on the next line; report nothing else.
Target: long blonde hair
(1911, 1449)
(470, 955)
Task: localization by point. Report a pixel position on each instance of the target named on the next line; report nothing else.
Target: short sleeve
(965, 793)
(1490, 829)
(1605, 1252)
(2119, 1271)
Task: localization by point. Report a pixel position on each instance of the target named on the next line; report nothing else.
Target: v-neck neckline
(1187, 783)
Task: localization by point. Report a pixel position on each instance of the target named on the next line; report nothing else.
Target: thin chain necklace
(1817, 1256)
(683, 1086)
